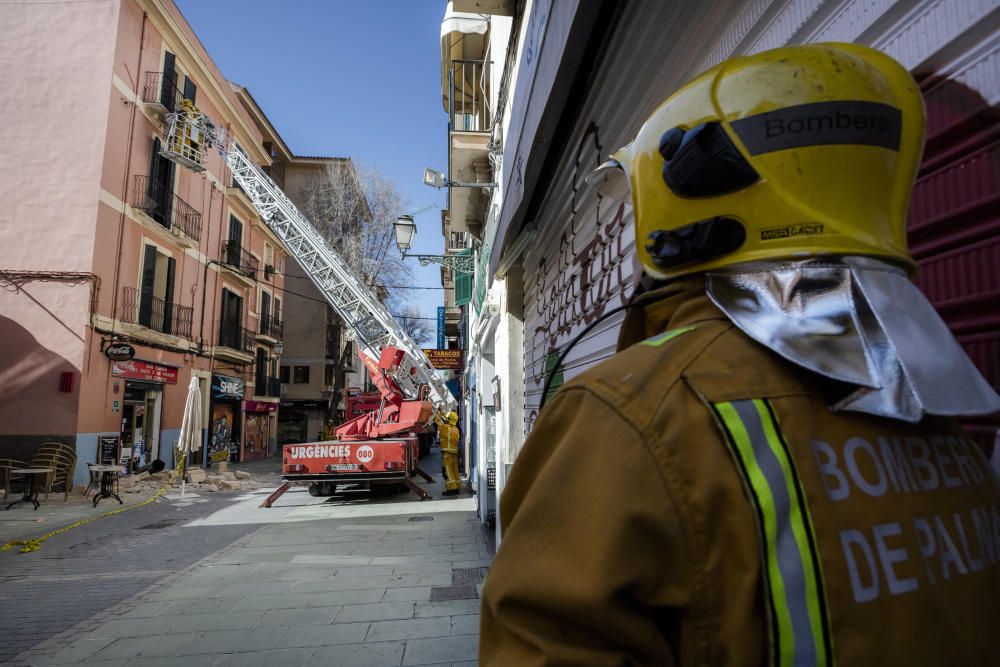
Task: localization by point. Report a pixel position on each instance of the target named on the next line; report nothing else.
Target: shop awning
(463, 37)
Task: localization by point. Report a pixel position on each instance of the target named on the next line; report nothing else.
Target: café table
(30, 493)
(109, 482)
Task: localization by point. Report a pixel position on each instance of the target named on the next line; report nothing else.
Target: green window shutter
(463, 288)
(463, 283)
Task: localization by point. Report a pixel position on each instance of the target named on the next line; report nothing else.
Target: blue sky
(340, 78)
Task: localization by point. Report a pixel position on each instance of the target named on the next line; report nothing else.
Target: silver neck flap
(859, 321)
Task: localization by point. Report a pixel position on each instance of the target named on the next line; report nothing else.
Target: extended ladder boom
(373, 327)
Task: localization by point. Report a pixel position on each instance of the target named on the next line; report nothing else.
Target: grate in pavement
(165, 523)
(462, 592)
(421, 518)
(468, 575)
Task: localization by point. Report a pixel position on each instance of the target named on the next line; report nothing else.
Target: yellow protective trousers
(449, 436)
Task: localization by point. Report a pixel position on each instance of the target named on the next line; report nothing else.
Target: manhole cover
(421, 518)
(468, 576)
(463, 592)
(166, 523)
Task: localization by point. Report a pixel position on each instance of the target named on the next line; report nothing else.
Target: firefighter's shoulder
(713, 356)
(647, 370)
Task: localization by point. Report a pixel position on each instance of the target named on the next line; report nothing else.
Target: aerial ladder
(379, 446)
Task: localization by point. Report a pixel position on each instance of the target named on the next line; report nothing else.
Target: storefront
(301, 421)
(260, 423)
(225, 418)
(140, 408)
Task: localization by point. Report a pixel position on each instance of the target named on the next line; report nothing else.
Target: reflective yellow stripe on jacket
(798, 620)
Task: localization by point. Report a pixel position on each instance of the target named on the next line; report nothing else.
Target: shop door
(141, 422)
(224, 438)
(257, 432)
(292, 427)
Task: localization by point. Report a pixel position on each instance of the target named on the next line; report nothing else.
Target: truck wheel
(314, 490)
(322, 489)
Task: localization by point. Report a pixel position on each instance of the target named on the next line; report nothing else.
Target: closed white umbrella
(190, 438)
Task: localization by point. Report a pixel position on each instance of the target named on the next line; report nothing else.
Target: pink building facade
(104, 241)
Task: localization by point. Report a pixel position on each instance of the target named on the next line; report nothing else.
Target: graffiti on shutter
(574, 276)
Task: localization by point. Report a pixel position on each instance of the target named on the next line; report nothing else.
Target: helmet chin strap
(859, 321)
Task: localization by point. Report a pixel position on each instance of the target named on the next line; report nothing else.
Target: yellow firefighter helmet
(451, 418)
(795, 152)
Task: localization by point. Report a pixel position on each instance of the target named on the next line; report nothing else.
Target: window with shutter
(190, 90)
(160, 187)
(265, 313)
(168, 297)
(169, 83)
(260, 376)
(463, 283)
(146, 288)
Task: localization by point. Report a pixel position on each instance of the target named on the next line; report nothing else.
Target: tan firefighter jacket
(693, 501)
(448, 436)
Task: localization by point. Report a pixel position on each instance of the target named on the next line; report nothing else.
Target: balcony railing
(458, 240)
(235, 336)
(155, 313)
(166, 208)
(274, 387)
(238, 257)
(469, 104)
(270, 326)
(268, 386)
(162, 90)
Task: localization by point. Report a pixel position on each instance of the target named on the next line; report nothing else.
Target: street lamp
(405, 229)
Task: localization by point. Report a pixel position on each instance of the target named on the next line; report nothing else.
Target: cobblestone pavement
(93, 567)
(345, 581)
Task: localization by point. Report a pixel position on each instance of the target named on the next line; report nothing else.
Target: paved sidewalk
(342, 582)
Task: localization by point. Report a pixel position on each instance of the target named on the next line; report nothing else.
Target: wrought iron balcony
(155, 313)
(270, 326)
(469, 103)
(235, 336)
(267, 386)
(274, 387)
(239, 258)
(166, 208)
(161, 92)
(458, 240)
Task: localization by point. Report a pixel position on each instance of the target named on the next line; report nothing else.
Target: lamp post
(405, 229)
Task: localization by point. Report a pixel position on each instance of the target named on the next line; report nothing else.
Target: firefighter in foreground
(769, 471)
(449, 437)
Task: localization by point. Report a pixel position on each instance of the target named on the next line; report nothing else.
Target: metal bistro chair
(6, 465)
(62, 459)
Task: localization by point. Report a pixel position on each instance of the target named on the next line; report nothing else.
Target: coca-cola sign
(119, 352)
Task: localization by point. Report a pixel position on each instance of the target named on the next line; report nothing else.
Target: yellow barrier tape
(27, 546)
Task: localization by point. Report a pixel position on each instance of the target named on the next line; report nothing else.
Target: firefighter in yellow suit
(449, 438)
(769, 471)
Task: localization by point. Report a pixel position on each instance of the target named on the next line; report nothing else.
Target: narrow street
(355, 579)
